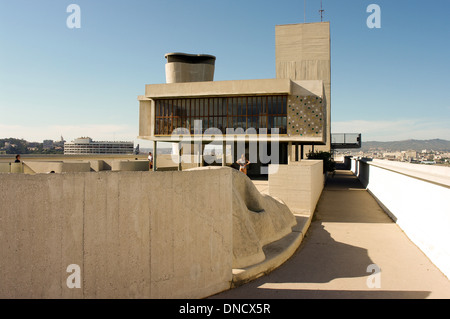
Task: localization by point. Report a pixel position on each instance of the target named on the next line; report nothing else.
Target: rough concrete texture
(298, 184)
(133, 234)
(5, 167)
(178, 72)
(64, 164)
(16, 168)
(303, 52)
(130, 165)
(218, 88)
(37, 167)
(258, 219)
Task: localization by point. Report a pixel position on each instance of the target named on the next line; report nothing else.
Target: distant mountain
(416, 145)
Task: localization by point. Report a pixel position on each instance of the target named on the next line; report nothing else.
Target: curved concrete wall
(258, 220)
(183, 67)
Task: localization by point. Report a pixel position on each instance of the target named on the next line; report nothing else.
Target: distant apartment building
(85, 145)
(408, 156)
(392, 155)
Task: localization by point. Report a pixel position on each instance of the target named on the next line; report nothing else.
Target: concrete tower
(302, 52)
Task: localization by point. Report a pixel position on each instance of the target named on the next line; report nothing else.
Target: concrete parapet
(133, 234)
(5, 167)
(417, 198)
(11, 168)
(136, 165)
(35, 167)
(298, 184)
(98, 165)
(16, 167)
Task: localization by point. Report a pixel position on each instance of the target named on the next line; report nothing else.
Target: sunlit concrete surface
(349, 234)
(139, 234)
(417, 197)
(262, 186)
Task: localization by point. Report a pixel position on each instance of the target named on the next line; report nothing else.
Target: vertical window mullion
(208, 105)
(171, 116)
(228, 117)
(190, 115)
(246, 112)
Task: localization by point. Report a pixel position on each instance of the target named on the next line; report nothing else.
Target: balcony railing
(345, 140)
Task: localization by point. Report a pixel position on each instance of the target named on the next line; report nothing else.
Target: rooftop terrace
(349, 233)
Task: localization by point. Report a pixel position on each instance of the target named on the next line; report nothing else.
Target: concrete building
(192, 234)
(287, 113)
(85, 145)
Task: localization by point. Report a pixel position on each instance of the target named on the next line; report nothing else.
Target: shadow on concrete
(341, 166)
(345, 200)
(334, 294)
(323, 259)
(320, 259)
(343, 180)
(310, 271)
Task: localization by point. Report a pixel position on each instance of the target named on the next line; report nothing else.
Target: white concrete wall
(419, 206)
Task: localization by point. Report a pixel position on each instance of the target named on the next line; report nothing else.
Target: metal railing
(346, 140)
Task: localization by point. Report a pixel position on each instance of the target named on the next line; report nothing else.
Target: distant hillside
(416, 145)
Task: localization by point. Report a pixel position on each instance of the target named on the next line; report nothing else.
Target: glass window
(258, 112)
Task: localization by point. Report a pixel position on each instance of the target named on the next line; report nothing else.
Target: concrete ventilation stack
(184, 67)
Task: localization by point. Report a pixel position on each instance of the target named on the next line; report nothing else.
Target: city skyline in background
(389, 83)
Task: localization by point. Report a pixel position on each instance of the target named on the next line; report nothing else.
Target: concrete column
(154, 155)
(179, 156)
(202, 151)
(289, 153)
(197, 152)
(224, 153)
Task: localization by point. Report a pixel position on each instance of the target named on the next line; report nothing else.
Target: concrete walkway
(350, 236)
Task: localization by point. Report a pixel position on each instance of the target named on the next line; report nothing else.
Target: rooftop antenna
(321, 11)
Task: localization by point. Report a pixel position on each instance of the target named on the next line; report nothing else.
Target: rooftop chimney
(184, 67)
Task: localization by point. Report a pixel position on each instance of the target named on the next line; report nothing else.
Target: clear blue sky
(390, 83)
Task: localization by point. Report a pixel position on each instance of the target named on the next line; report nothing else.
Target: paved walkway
(348, 234)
